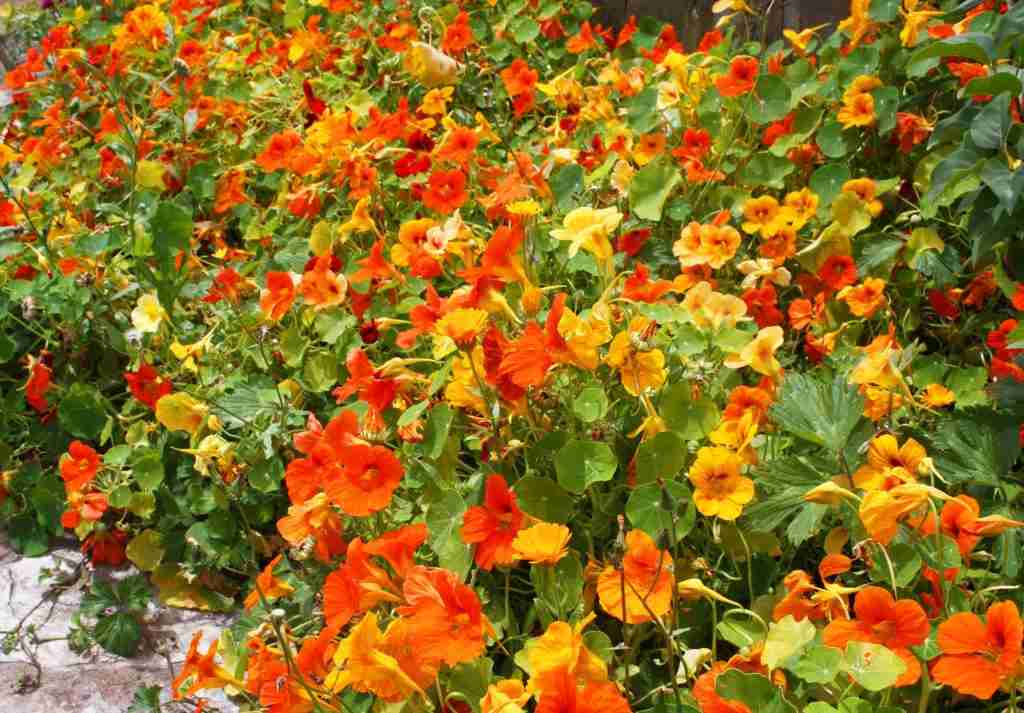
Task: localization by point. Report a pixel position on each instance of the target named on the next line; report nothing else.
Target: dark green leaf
(580, 464)
(544, 499)
(824, 413)
(119, 634)
(82, 412)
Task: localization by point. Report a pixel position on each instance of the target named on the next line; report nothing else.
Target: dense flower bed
(487, 359)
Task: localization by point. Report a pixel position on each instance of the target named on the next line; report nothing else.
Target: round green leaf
(82, 412)
(544, 499)
(579, 464)
(590, 404)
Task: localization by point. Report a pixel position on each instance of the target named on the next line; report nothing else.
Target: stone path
(96, 682)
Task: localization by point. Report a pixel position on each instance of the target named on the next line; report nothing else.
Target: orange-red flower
(445, 616)
(880, 619)
(961, 519)
(977, 657)
(445, 191)
(147, 385)
(79, 465)
(642, 590)
(268, 586)
(36, 386)
(277, 298)
(494, 525)
(741, 78)
(366, 480)
(565, 696)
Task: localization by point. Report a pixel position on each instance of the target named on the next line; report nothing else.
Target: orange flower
(857, 110)
(881, 510)
(518, 78)
(494, 525)
(79, 466)
(280, 151)
(200, 671)
(561, 648)
(977, 657)
(230, 191)
(321, 287)
(445, 616)
(445, 191)
(277, 298)
(890, 464)
(268, 585)
(543, 543)
(706, 692)
(719, 488)
(642, 590)
(37, 385)
(565, 696)
(313, 519)
(762, 215)
(459, 147)
(370, 667)
(366, 481)
(741, 78)
(804, 600)
(866, 298)
(880, 619)
(961, 520)
(357, 586)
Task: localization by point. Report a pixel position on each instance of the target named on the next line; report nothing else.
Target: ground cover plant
(483, 358)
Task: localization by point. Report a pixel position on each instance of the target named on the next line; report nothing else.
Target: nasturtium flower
(561, 647)
(543, 543)
(740, 79)
(199, 671)
(460, 327)
(445, 616)
(366, 480)
(759, 354)
(277, 298)
(880, 619)
(565, 694)
(866, 298)
(268, 586)
(508, 695)
(881, 511)
(890, 464)
(364, 662)
(762, 215)
(640, 368)
(79, 465)
(979, 656)
(642, 590)
(181, 412)
(961, 520)
(493, 526)
(148, 313)
(590, 229)
(720, 490)
(857, 110)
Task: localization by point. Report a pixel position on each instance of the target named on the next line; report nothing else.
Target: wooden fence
(693, 18)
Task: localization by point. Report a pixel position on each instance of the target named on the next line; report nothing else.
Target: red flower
(147, 385)
(445, 191)
(943, 305)
(741, 78)
(839, 271)
(493, 525)
(79, 465)
(37, 385)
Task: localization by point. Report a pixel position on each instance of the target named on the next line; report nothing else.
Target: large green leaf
(753, 690)
(976, 446)
(824, 413)
(171, 226)
(544, 499)
(770, 101)
(580, 464)
(989, 128)
(873, 666)
(118, 633)
(651, 187)
(660, 458)
(82, 411)
(658, 509)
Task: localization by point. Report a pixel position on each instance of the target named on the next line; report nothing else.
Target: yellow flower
(561, 647)
(361, 221)
(890, 464)
(800, 40)
(461, 326)
(640, 369)
(589, 228)
(802, 205)
(543, 543)
(526, 207)
(463, 391)
(181, 412)
(937, 396)
(435, 103)
(719, 488)
(188, 353)
(763, 215)
(213, 451)
(505, 696)
(759, 355)
(862, 84)
(859, 24)
(7, 156)
(915, 22)
(148, 314)
(829, 493)
(859, 110)
(584, 336)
